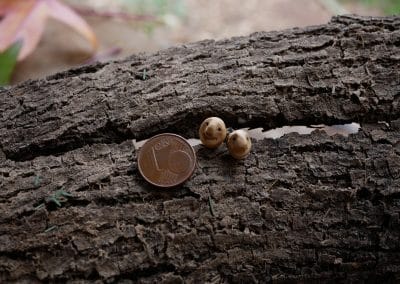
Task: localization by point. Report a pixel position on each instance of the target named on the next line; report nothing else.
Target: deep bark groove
(299, 207)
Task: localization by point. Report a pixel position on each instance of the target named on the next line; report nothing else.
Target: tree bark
(300, 207)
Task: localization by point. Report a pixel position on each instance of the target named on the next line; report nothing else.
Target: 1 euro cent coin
(166, 160)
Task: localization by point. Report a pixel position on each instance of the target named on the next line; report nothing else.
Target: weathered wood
(299, 207)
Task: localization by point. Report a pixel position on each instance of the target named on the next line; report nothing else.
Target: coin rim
(139, 157)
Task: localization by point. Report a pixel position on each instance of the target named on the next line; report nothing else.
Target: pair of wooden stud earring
(213, 133)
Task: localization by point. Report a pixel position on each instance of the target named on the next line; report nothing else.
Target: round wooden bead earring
(239, 144)
(212, 132)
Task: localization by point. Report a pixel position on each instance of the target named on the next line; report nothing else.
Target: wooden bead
(212, 132)
(239, 144)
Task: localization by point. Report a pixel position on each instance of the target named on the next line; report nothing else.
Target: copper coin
(166, 160)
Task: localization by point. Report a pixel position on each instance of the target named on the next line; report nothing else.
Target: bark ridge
(73, 207)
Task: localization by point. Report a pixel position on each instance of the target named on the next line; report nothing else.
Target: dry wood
(299, 207)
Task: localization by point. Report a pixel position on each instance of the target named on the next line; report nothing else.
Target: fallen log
(74, 208)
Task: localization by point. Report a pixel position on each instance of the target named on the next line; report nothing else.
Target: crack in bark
(127, 110)
(300, 207)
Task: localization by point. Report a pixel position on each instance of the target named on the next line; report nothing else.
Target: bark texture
(300, 207)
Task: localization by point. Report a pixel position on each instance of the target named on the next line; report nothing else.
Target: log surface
(300, 207)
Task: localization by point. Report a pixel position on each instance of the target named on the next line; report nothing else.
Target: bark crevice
(300, 207)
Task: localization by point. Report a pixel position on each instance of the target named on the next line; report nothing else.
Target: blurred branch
(86, 11)
(106, 55)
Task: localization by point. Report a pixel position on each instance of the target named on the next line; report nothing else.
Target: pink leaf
(6, 6)
(32, 29)
(24, 20)
(15, 14)
(66, 15)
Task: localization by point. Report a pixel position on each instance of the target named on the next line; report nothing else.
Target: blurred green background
(388, 7)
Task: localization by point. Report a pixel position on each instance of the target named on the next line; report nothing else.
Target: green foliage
(390, 7)
(155, 7)
(36, 181)
(8, 59)
(58, 197)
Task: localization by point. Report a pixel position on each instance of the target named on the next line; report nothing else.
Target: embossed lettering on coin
(166, 160)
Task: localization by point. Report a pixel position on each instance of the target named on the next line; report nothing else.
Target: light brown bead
(239, 144)
(212, 132)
